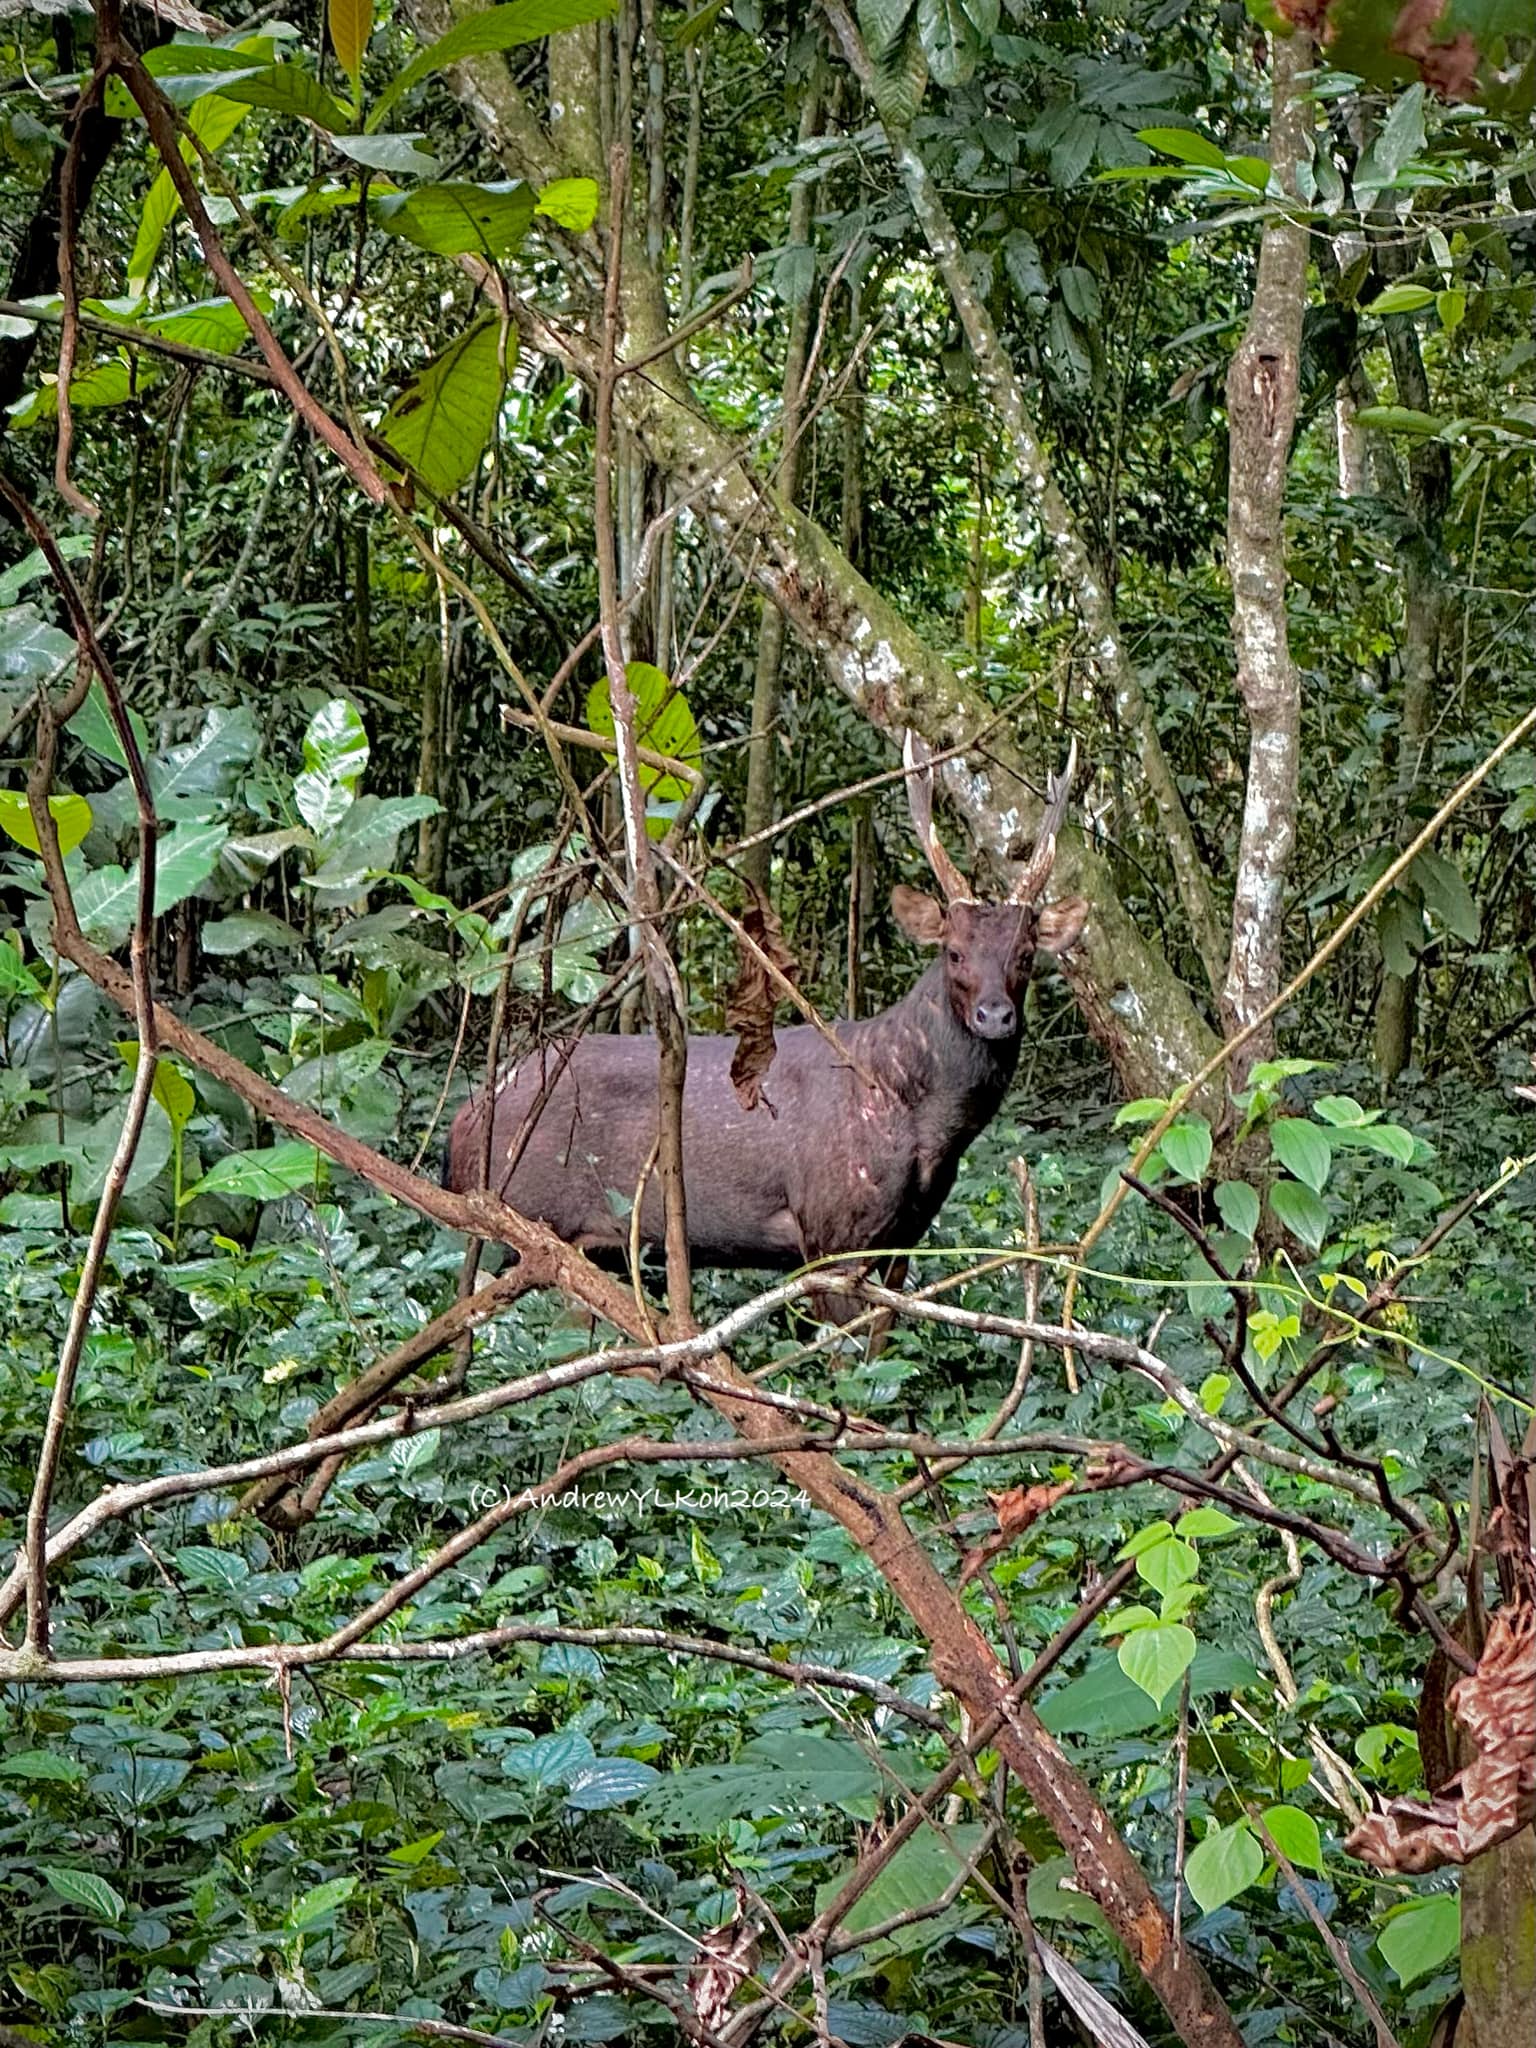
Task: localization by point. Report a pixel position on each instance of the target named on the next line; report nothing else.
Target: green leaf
(335, 756)
(1398, 419)
(93, 1158)
(498, 28)
(1168, 1565)
(610, 1782)
(1146, 1109)
(217, 325)
(1145, 1539)
(264, 1174)
(171, 1089)
(950, 43)
(1185, 144)
(244, 930)
(16, 978)
(1451, 306)
(71, 817)
(569, 203)
(320, 1900)
(33, 567)
(104, 385)
(288, 89)
(85, 1888)
(922, 1870)
(460, 219)
(92, 725)
(1400, 298)
(351, 26)
(1296, 1836)
(895, 42)
(397, 156)
(1207, 1522)
(1390, 1139)
(184, 860)
(1302, 1149)
(1342, 1111)
(442, 423)
(1252, 171)
(106, 903)
(410, 1854)
(1300, 1210)
(184, 777)
(1157, 1658)
(1238, 1206)
(44, 1765)
(1103, 1704)
(1420, 1937)
(1214, 1389)
(213, 120)
(1447, 895)
(663, 722)
(1186, 1145)
(1222, 1864)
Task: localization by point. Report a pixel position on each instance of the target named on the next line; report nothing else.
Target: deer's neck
(920, 1052)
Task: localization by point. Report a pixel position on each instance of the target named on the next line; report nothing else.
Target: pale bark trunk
(1133, 1002)
(762, 747)
(1262, 388)
(1090, 594)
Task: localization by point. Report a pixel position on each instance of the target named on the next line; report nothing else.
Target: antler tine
(919, 765)
(1035, 875)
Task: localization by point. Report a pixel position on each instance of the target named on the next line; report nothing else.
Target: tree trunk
(1088, 589)
(1132, 999)
(762, 747)
(1262, 389)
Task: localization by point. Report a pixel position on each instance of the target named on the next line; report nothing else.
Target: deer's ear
(919, 916)
(1061, 924)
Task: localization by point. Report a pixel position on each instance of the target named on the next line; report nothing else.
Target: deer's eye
(954, 956)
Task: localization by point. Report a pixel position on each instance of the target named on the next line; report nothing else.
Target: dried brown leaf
(1494, 1796)
(727, 1957)
(751, 1003)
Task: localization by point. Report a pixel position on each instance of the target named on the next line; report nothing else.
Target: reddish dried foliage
(751, 1003)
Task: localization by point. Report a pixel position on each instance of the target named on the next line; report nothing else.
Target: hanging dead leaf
(1494, 1796)
(727, 1957)
(751, 1003)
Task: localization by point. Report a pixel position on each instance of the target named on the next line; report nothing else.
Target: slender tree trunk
(762, 747)
(1262, 389)
(1131, 997)
(1426, 610)
(1088, 589)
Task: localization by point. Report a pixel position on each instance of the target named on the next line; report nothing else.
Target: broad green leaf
(45, 1765)
(1222, 1864)
(182, 777)
(1186, 1145)
(1207, 1522)
(244, 930)
(1447, 895)
(335, 756)
(498, 28)
(351, 26)
(85, 1888)
(922, 1870)
(264, 1174)
(1145, 1539)
(103, 385)
(442, 423)
(172, 1090)
(1398, 419)
(1342, 1111)
(611, 1781)
(289, 89)
(93, 1158)
(460, 219)
(1451, 307)
(71, 818)
(1421, 1936)
(212, 120)
(1157, 1658)
(184, 860)
(106, 903)
(663, 722)
(950, 42)
(409, 1854)
(1214, 1389)
(1401, 298)
(32, 568)
(1103, 1703)
(1185, 144)
(398, 156)
(214, 324)
(549, 1760)
(1146, 1109)
(1168, 1565)
(890, 29)
(1301, 1211)
(92, 725)
(1390, 1139)
(1021, 259)
(320, 1900)
(1302, 1149)
(1252, 171)
(1295, 1836)
(569, 203)
(1238, 1206)
(16, 978)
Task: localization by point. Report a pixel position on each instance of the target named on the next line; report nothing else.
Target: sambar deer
(850, 1154)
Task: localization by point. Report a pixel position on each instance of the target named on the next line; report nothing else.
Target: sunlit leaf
(442, 423)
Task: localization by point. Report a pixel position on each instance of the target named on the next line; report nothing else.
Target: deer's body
(853, 1155)
(855, 1144)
